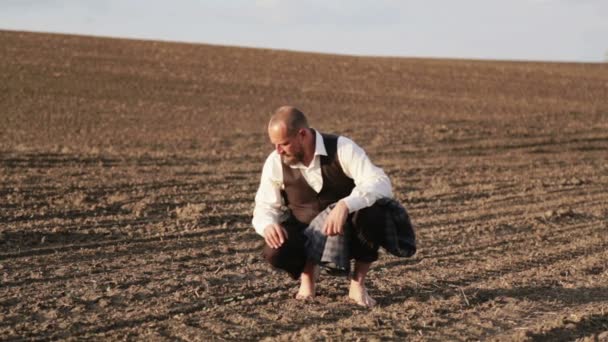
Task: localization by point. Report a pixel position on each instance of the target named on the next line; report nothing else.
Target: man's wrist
(356, 202)
(260, 227)
(344, 203)
(347, 204)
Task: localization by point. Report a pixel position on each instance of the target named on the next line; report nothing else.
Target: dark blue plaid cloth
(332, 252)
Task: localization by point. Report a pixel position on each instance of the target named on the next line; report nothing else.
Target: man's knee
(368, 224)
(368, 216)
(290, 257)
(272, 255)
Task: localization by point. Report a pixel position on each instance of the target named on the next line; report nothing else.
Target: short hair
(292, 117)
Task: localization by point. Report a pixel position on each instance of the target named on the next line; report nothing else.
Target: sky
(539, 30)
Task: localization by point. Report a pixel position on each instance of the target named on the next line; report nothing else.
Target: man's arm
(371, 183)
(268, 199)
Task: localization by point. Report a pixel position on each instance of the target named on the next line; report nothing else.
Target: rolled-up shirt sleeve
(268, 201)
(371, 183)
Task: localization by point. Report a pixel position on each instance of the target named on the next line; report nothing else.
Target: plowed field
(128, 171)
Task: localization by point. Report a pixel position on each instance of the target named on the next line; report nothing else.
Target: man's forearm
(360, 198)
(261, 220)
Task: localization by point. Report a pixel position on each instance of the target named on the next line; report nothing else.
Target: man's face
(288, 147)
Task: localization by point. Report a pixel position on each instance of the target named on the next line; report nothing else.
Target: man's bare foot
(306, 291)
(307, 282)
(358, 293)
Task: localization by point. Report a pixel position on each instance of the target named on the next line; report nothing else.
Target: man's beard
(293, 159)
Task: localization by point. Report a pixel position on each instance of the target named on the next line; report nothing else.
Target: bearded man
(311, 173)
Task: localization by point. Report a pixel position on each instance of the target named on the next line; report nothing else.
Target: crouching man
(321, 201)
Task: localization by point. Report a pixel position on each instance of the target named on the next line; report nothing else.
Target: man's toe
(304, 297)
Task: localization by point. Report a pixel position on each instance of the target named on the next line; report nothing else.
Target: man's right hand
(275, 235)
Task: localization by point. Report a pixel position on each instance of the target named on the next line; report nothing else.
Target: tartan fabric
(399, 235)
(328, 251)
(333, 251)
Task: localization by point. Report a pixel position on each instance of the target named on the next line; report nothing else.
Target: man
(307, 173)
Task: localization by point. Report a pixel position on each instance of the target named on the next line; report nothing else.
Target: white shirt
(371, 183)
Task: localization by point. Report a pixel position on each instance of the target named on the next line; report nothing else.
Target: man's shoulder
(329, 135)
(344, 141)
(348, 149)
(273, 167)
(273, 159)
(332, 135)
(335, 136)
(339, 138)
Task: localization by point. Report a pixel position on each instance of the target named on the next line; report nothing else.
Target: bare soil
(128, 171)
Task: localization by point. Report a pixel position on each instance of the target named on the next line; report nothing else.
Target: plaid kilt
(333, 252)
(327, 251)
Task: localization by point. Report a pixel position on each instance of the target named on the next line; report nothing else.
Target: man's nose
(279, 149)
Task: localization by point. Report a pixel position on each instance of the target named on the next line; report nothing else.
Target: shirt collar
(319, 144)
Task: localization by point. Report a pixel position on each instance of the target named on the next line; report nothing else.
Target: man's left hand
(334, 223)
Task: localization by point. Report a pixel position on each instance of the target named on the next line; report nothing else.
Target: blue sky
(550, 30)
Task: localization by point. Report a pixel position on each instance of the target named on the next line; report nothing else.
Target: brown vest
(303, 201)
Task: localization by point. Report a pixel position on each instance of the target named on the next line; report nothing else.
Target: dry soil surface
(128, 171)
